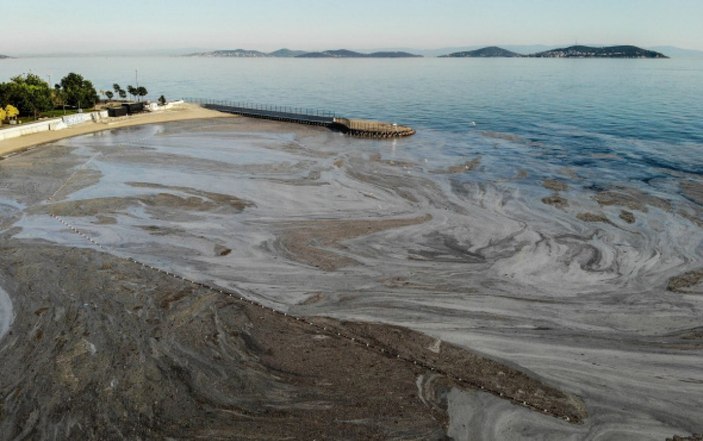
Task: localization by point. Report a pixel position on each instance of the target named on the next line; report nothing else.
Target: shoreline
(180, 112)
(320, 225)
(182, 330)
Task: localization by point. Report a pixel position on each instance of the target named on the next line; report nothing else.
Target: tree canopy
(119, 91)
(77, 91)
(29, 93)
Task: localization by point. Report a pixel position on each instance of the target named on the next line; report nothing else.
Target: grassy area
(58, 113)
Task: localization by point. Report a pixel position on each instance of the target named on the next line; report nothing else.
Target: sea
(617, 120)
(576, 290)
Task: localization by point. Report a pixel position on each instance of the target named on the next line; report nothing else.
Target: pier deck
(353, 127)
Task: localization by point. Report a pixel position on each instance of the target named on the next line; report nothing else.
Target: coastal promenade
(355, 127)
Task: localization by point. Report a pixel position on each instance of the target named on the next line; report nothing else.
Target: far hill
(486, 52)
(286, 53)
(339, 53)
(240, 53)
(395, 54)
(599, 52)
(3, 56)
(345, 53)
(677, 52)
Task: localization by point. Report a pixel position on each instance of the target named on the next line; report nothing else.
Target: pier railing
(267, 111)
(355, 127)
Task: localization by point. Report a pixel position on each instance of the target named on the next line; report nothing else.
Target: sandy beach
(180, 112)
(229, 278)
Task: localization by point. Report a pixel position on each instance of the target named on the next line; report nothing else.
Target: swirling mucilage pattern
(469, 249)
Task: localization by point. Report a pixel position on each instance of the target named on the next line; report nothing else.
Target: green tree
(78, 91)
(119, 91)
(162, 100)
(132, 91)
(29, 93)
(4, 92)
(141, 91)
(57, 96)
(109, 95)
(3, 115)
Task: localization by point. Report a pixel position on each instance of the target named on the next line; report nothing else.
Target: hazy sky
(78, 25)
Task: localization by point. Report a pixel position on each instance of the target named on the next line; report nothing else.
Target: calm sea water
(618, 120)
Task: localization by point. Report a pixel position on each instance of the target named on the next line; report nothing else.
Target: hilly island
(577, 51)
(486, 52)
(568, 52)
(345, 53)
(288, 53)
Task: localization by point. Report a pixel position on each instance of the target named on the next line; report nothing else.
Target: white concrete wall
(155, 107)
(78, 118)
(27, 129)
(50, 124)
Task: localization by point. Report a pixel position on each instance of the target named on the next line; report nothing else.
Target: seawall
(51, 124)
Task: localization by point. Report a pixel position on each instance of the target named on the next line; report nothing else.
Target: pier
(351, 126)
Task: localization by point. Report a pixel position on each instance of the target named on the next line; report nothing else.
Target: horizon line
(187, 51)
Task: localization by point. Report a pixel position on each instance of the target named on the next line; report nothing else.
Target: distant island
(568, 52)
(518, 51)
(288, 53)
(486, 52)
(599, 52)
(236, 53)
(344, 53)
